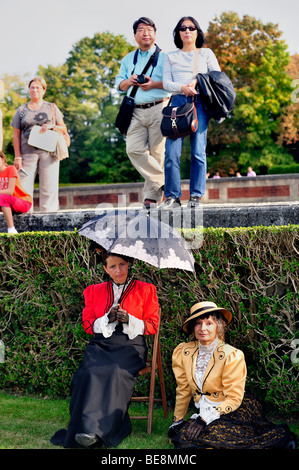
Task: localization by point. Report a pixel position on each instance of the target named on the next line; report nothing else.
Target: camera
(142, 79)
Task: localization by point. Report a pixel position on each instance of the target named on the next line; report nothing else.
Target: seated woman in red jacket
(118, 314)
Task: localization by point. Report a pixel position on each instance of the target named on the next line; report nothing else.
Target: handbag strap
(195, 62)
(53, 114)
(152, 61)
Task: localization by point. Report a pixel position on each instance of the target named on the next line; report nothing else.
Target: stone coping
(216, 215)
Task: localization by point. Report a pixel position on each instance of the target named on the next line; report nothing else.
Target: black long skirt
(244, 428)
(102, 389)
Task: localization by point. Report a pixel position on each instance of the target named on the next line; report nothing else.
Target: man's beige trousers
(145, 148)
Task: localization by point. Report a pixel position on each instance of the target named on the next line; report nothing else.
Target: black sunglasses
(184, 28)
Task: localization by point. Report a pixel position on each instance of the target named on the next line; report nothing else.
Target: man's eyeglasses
(143, 30)
(184, 28)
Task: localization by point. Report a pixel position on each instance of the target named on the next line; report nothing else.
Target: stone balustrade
(233, 190)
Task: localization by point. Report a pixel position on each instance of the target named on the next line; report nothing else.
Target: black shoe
(170, 203)
(86, 440)
(194, 201)
(149, 203)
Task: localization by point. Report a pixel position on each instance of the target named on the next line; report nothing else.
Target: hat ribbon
(202, 309)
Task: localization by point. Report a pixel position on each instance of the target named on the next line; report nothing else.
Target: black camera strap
(153, 60)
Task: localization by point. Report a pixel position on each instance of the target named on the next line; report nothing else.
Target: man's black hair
(143, 20)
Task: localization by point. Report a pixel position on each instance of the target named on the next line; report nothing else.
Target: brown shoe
(149, 203)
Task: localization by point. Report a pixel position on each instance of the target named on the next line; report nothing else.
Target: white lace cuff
(209, 415)
(134, 327)
(206, 410)
(102, 325)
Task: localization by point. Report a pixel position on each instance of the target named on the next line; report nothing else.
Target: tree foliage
(256, 59)
(84, 89)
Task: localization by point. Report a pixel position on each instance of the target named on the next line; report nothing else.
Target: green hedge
(284, 169)
(253, 271)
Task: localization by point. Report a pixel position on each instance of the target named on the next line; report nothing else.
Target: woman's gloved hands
(194, 428)
(191, 429)
(118, 314)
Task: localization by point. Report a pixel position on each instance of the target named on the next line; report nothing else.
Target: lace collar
(203, 359)
(209, 348)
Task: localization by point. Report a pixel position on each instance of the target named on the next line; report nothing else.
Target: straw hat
(201, 308)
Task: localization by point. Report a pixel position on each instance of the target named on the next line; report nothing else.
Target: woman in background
(32, 159)
(180, 69)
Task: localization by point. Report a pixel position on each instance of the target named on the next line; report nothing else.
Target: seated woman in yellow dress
(214, 374)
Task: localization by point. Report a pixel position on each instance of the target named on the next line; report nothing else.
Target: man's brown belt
(149, 105)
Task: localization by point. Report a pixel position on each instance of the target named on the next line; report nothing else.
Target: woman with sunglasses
(180, 69)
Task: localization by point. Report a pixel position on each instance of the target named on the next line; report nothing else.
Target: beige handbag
(61, 151)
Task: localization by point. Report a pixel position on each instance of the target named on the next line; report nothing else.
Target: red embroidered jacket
(139, 299)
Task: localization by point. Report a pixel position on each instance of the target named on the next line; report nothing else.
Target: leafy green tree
(84, 90)
(15, 89)
(255, 58)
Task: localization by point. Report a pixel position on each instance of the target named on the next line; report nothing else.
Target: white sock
(12, 230)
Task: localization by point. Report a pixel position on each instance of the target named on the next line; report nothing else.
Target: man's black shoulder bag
(125, 113)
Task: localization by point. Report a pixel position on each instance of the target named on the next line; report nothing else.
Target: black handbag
(179, 121)
(125, 113)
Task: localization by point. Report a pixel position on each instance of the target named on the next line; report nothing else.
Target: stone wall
(261, 189)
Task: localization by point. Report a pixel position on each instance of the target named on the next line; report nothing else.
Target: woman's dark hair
(219, 319)
(200, 40)
(102, 255)
(105, 256)
(143, 20)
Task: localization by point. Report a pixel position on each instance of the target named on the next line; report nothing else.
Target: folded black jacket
(217, 94)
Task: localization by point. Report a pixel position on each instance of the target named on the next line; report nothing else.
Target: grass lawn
(28, 422)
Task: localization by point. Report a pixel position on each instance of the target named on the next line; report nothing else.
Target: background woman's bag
(46, 141)
(179, 121)
(63, 142)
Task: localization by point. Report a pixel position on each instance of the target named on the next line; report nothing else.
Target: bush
(252, 271)
(284, 169)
